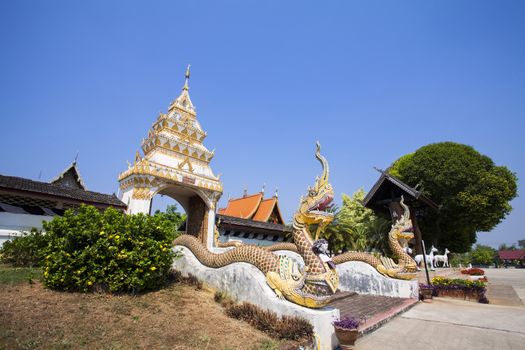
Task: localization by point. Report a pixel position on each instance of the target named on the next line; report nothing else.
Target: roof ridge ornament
(187, 76)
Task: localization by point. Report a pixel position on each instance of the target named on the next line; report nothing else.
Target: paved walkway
(457, 324)
(451, 324)
(374, 310)
(506, 286)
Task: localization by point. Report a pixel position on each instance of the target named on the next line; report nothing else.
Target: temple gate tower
(175, 164)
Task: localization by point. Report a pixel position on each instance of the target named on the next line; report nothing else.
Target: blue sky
(370, 80)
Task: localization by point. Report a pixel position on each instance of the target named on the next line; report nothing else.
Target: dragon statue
(315, 285)
(400, 233)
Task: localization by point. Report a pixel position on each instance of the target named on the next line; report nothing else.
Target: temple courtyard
(183, 317)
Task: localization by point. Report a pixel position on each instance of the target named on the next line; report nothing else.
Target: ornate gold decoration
(142, 193)
(186, 162)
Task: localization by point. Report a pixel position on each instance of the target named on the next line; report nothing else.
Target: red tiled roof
(244, 207)
(265, 209)
(253, 207)
(512, 254)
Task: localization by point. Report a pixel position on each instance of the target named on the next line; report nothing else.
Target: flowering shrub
(478, 288)
(348, 322)
(473, 272)
(107, 251)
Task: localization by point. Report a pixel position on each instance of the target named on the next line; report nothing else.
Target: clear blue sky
(370, 80)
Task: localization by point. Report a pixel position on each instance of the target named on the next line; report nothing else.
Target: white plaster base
(357, 276)
(362, 278)
(244, 282)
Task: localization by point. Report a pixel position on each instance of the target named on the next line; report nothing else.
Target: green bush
(107, 251)
(24, 251)
(462, 259)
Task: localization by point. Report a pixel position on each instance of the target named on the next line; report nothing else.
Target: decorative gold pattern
(142, 193)
(186, 162)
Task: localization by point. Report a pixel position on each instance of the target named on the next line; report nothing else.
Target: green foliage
(356, 227)
(25, 250)
(462, 259)
(107, 251)
(173, 216)
(18, 275)
(483, 255)
(473, 191)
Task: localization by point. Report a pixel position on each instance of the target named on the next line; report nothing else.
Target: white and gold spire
(174, 149)
(183, 101)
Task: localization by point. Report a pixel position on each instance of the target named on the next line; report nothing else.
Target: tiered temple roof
(254, 207)
(253, 220)
(173, 150)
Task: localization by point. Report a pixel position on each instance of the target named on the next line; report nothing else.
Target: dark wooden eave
(26, 188)
(389, 188)
(251, 225)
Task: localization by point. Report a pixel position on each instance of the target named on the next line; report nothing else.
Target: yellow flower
(153, 268)
(89, 283)
(101, 233)
(117, 237)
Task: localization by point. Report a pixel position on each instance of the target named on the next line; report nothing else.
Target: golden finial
(186, 87)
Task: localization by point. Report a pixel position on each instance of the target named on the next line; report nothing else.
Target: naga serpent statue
(401, 231)
(315, 284)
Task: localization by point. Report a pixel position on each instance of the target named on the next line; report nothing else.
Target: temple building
(252, 219)
(25, 203)
(176, 164)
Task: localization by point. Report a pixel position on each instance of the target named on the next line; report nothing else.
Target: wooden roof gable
(70, 178)
(388, 188)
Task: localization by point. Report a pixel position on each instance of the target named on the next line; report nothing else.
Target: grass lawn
(17, 275)
(177, 317)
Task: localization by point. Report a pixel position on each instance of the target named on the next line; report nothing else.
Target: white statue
(430, 259)
(442, 258)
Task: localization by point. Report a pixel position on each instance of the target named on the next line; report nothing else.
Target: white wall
(12, 225)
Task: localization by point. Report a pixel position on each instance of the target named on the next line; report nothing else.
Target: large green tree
(473, 191)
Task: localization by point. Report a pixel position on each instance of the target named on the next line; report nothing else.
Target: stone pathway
(375, 310)
(451, 324)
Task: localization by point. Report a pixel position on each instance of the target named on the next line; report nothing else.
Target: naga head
(403, 226)
(313, 207)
